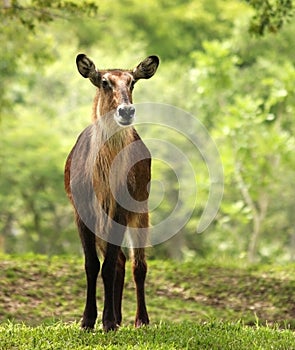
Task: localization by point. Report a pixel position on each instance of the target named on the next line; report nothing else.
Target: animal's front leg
(92, 267)
(119, 285)
(109, 321)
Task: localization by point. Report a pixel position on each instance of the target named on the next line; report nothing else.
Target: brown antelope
(98, 190)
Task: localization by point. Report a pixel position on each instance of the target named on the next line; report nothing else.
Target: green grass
(186, 335)
(191, 306)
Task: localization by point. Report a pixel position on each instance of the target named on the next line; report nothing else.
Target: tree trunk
(258, 210)
(258, 219)
(6, 4)
(292, 246)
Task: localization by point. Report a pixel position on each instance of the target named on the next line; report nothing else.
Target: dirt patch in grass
(35, 289)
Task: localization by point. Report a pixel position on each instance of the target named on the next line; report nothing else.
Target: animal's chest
(122, 176)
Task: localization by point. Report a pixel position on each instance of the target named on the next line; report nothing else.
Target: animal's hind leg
(92, 267)
(139, 274)
(140, 237)
(119, 285)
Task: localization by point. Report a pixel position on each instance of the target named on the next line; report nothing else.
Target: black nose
(126, 112)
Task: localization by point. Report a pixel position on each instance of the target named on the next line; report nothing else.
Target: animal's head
(116, 85)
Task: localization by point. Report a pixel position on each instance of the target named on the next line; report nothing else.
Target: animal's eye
(105, 84)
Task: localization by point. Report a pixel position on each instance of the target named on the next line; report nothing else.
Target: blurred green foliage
(270, 15)
(239, 86)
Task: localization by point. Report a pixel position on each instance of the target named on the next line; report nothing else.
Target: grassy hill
(190, 300)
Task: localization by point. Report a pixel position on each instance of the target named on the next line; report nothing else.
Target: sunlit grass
(186, 335)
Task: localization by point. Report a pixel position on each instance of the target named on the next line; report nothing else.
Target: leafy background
(215, 64)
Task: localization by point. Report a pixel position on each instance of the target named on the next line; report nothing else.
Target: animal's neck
(94, 116)
(113, 136)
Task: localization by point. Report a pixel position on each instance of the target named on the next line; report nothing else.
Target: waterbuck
(107, 177)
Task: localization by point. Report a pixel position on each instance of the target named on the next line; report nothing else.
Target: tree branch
(244, 189)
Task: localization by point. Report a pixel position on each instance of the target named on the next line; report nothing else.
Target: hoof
(109, 326)
(141, 322)
(87, 325)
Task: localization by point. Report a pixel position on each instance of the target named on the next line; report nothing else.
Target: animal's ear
(147, 68)
(87, 69)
